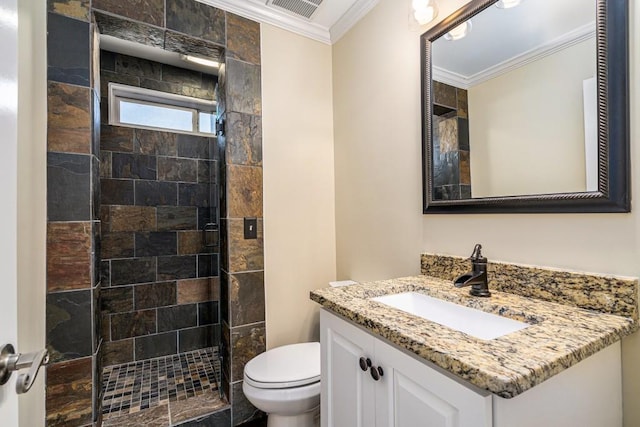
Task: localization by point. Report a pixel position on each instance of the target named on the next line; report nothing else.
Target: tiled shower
(159, 267)
(135, 287)
(158, 192)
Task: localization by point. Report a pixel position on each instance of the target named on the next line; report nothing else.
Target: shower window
(144, 108)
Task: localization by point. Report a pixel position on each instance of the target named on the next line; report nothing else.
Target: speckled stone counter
(558, 337)
(598, 292)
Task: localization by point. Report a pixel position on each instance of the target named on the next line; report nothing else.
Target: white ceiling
(499, 36)
(331, 20)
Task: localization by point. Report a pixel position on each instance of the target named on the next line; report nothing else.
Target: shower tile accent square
(131, 218)
(181, 76)
(69, 392)
(246, 343)
(177, 317)
(133, 324)
(117, 300)
(195, 290)
(68, 187)
(244, 254)
(187, 16)
(177, 217)
(195, 147)
(68, 256)
(243, 87)
(244, 140)
(73, 8)
(246, 298)
(132, 66)
(69, 327)
(68, 51)
(116, 138)
(174, 169)
(157, 294)
(155, 244)
(156, 193)
(133, 166)
(156, 345)
(133, 270)
(116, 191)
(200, 337)
(153, 142)
(190, 242)
(117, 245)
(177, 267)
(208, 265)
(208, 313)
(243, 39)
(194, 195)
(69, 118)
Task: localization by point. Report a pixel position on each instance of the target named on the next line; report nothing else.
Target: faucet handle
(476, 255)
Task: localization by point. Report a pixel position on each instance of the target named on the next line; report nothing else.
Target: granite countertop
(558, 337)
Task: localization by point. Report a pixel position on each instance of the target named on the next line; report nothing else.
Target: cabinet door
(412, 394)
(347, 391)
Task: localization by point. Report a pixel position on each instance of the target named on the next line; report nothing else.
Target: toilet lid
(288, 366)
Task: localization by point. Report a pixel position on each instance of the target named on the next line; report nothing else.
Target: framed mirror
(525, 108)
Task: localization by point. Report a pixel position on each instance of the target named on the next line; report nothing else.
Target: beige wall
(531, 115)
(376, 91)
(32, 210)
(299, 227)
(380, 230)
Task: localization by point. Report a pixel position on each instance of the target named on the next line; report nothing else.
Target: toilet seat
(289, 366)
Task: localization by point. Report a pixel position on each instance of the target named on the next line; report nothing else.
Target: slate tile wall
(73, 229)
(452, 171)
(78, 171)
(155, 192)
(242, 284)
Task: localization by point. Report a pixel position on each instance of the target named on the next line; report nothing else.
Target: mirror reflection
(514, 102)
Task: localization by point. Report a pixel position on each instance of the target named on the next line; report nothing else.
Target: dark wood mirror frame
(612, 57)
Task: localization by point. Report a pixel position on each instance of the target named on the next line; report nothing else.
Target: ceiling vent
(303, 8)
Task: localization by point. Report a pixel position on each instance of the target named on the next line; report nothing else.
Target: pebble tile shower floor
(139, 389)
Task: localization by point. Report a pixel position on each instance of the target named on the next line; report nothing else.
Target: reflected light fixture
(424, 11)
(459, 32)
(202, 61)
(507, 4)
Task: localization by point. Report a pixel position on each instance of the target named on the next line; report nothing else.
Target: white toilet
(284, 382)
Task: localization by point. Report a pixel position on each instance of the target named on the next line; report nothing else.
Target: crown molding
(264, 14)
(449, 77)
(356, 12)
(566, 40)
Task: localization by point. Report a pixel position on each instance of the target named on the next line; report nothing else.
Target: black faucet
(477, 279)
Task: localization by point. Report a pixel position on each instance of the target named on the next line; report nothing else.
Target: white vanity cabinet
(407, 394)
(412, 393)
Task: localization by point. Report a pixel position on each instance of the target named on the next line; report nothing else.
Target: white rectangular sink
(476, 323)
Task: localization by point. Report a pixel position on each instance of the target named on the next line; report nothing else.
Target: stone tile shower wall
(160, 282)
(452, 172)
(73, 282)
(73, 228)
(242, 277)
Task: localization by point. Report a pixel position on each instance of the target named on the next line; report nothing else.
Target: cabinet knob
(376, 372)
(365, 363)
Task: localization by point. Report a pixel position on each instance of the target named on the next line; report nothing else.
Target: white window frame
(119, 92)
